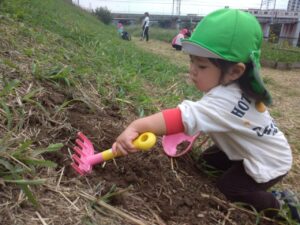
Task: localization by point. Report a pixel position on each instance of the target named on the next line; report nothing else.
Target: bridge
(289, 21)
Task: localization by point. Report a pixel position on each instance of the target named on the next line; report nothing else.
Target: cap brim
(195, 49)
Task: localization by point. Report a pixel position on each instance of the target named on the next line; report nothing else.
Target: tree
(104, 15)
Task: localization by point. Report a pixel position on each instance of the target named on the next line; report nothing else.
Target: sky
(165, 7)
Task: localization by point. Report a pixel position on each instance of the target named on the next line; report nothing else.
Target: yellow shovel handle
(143, 142)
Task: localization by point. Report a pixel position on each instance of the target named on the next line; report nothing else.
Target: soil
(148, 186)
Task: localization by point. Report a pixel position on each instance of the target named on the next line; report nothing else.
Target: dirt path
(284, 86)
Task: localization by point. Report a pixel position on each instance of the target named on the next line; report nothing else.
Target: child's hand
(124, 143)
(154, 123)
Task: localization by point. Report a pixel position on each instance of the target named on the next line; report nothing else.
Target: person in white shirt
(145, 27)
(248, 146)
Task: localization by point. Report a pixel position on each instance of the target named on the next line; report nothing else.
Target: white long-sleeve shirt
(146, 21)
(240, 130)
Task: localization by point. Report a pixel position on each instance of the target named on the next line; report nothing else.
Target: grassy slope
(92, 49)
(54, 41)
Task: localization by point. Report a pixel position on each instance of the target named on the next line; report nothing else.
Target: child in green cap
(254, 154)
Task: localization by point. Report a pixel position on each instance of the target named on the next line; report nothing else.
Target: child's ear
(236, 71)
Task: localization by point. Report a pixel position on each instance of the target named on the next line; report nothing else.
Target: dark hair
(244, 81)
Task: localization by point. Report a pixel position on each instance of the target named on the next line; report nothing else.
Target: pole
(173, 8)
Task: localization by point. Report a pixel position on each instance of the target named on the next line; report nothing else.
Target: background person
(120, 28)
(176, 42)
(145, 27)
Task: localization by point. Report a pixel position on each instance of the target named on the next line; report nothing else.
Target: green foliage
(164, 23)
(19, 159)
(280, 53)
(156, 33)
(84, 48)
(104, 15)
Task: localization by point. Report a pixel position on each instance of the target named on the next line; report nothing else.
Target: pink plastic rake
(85, 157)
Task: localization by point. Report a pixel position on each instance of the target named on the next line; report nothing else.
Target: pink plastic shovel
(176, 145)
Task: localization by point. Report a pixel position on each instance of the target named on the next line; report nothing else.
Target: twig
(176, 174)
(157, 217)
(65, 197)
(72, 203)
(170, 199)
(174, 85)
(125, 101)
(172, 164)
(10, 156)
(60, 177)
(226, 218)
(111, 208)
(159, 220)
(40, 218)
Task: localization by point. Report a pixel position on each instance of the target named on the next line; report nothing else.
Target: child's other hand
(124, 143)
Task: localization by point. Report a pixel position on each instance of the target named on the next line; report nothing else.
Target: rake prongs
(79, 143)
(78, 170)
(80, 166)
(84, 138)
(77, 159)
(79, 151)
(84, 153)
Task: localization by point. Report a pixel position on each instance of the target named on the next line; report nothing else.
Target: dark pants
(177, 47)
(237, 185)
(145, 33)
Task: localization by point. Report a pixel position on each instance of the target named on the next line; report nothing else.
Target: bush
(104, 15)
(165, 23)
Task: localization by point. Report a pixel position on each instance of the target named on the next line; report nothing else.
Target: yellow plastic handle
(145, 141)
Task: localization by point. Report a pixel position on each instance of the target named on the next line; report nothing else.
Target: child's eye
(202, 67)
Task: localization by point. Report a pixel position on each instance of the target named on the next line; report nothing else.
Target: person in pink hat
(176, 42)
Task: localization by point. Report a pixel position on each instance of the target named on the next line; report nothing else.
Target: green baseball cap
(231, 35)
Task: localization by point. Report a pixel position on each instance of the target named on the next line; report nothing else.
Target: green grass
(156, 33)
(99, 51)
(280, 53)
